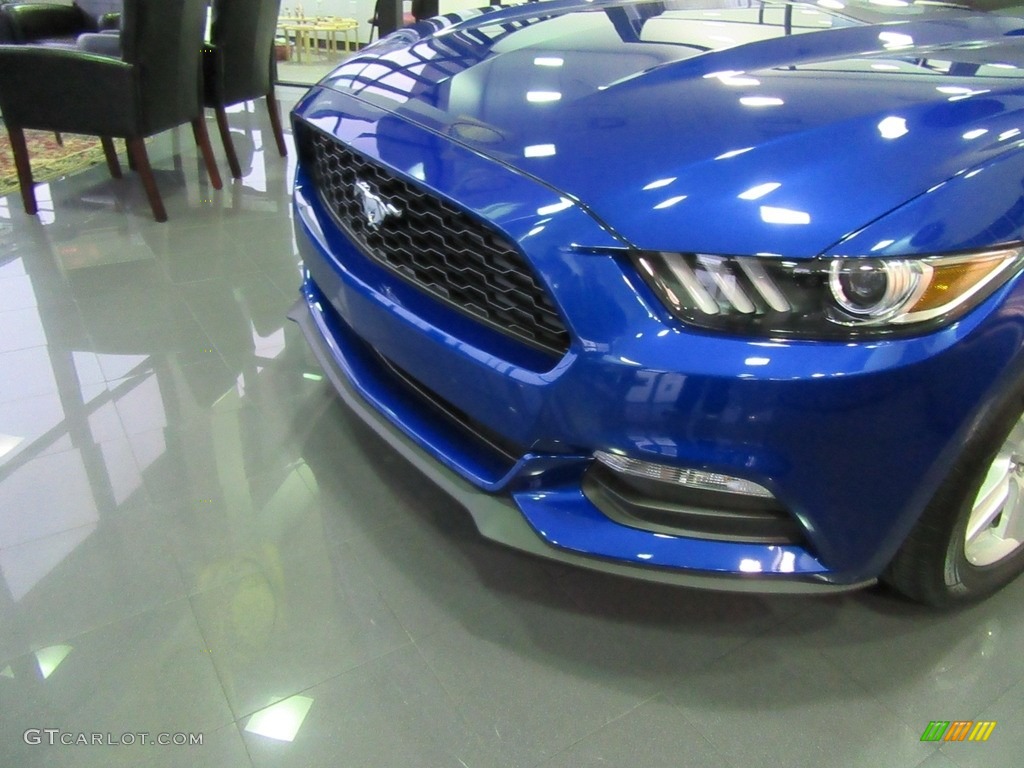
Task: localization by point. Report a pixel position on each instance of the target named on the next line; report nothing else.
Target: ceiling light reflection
(788, 564)
(8, 443)
(543, 97)
(893, 127)
(670, 202)
(975, 133)
(736, 80)
(761, 101)
(895, 39)
(548, 61)
(733, 153)
(755, 193)
(281, 721)
(562, 205)
(539, 150)
(660, 183)
(50, 658)
(771, 215)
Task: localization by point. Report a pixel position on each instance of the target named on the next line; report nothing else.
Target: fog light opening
(690, 478)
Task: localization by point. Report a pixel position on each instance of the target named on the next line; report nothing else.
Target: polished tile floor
(197, 540)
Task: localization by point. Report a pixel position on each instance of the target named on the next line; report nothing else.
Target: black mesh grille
(432, 244)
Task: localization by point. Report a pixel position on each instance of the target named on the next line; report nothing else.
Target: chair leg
(229, 146)
(111, 154)
(59, 137)
(131, 160)
(275, 121)
(20, 150)
(137, 151)
(203, 141)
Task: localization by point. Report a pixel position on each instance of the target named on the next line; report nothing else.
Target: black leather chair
(154, 86)
(238, 65)
(55, 24)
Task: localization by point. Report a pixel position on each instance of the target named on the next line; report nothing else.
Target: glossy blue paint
(844, 140)
(643, 148)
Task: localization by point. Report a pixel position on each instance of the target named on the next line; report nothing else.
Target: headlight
(825, 298)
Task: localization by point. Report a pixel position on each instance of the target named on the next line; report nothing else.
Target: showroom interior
(198, 539)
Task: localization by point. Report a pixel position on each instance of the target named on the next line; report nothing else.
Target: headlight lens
(825, 298)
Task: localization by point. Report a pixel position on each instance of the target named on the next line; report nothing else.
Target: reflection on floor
(198, 542)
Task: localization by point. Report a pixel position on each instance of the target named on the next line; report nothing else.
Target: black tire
(931, 566)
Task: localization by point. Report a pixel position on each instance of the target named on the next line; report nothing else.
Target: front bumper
(572, 524)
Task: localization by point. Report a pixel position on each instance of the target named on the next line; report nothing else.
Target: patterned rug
(49, 159)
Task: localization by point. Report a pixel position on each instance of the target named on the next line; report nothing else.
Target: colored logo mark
(958, 730)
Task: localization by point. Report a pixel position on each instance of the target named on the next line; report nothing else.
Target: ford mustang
(724, 293)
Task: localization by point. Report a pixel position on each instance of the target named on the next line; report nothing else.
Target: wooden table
(306, 33)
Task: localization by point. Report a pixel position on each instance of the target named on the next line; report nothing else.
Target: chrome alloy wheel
(995, 528)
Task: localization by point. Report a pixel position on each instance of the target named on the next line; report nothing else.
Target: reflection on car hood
(774, 128)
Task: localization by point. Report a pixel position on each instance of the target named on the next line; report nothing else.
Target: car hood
(775, 129)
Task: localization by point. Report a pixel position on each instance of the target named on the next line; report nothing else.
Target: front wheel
(970, 541)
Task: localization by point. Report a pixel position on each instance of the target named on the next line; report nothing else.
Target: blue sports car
(724, 293)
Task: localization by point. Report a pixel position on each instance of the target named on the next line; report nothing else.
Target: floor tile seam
(100, 626)
(194, 281)
(44, 537)
(457, 702)
(947, 755)
(741, 649)
(31, 395)
(723, 761)
(1002, 694)
(4, 350)
(594, 731)
(206, 333)
(196, 591)
(897, 714)
(696, 726)
(197, 223)
(144, 506)
(353, 539)
(290, 297)
(453, 700)
(415, 637)
(330, 678)
(983, 707)
(245, 744)
(95, 339)
(213, 663)
(211, 282)
(379, 592)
